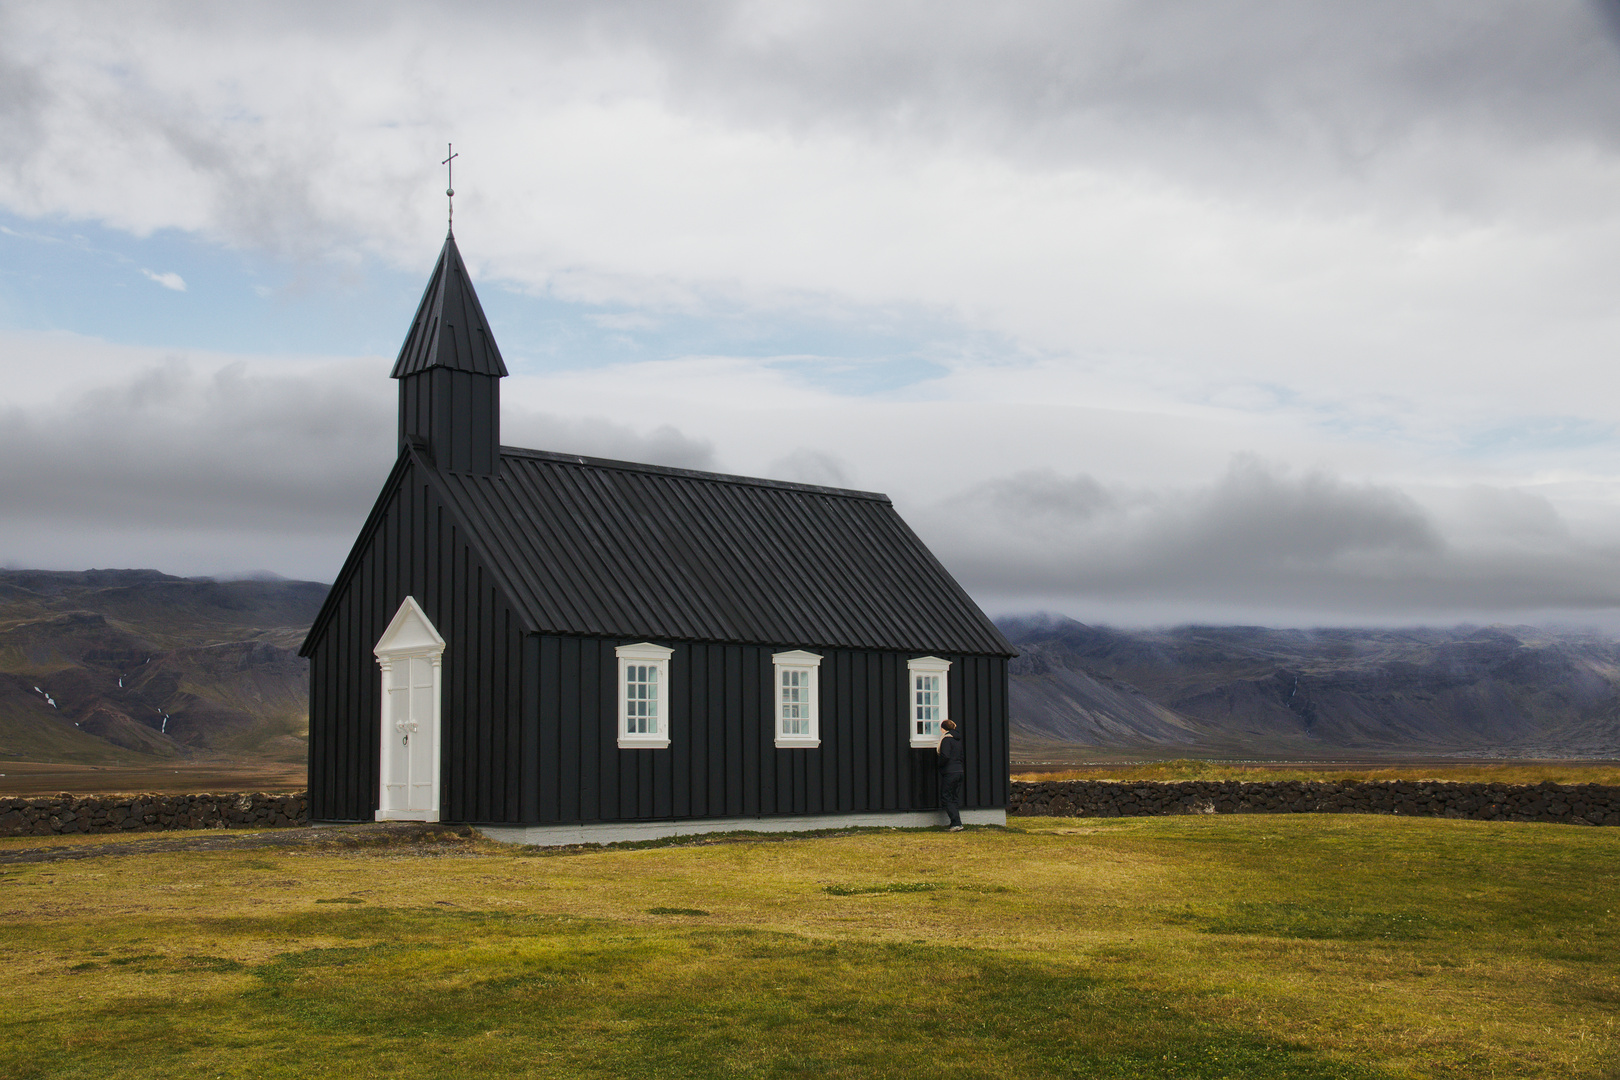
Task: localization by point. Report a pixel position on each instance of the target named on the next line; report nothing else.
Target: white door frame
(410, 730)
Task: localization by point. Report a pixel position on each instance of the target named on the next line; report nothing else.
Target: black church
(558, 648)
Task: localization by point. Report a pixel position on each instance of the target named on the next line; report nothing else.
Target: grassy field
(1255, 946)
(1513, 772)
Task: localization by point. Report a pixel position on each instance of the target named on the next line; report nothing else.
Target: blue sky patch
(173, 289)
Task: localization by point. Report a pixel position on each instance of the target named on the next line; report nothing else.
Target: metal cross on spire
(450, 181)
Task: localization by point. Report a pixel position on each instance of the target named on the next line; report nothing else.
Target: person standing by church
(952, 774)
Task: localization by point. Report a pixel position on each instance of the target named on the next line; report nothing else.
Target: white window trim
(796, 660)
(399, 643)
(927, 665)
(656, 656)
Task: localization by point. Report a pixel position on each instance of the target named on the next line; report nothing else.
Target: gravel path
(324, 838)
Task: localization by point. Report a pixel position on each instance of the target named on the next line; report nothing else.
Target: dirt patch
(50, 778)
(320, 838)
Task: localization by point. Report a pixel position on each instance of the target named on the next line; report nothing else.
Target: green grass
(1310, 946)
(880, 887)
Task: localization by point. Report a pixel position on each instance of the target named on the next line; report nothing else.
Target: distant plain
(1472, 772)
(49, 778)
(167, 778)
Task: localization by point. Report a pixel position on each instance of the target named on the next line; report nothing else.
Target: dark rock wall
(1573, 804)
(65, 814)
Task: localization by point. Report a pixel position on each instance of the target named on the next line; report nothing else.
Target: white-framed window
(643, 696)
(797, 677)
(927, 704)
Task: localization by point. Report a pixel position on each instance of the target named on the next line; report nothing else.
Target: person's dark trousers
(950, 796)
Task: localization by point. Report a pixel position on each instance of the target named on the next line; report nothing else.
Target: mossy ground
(1252, 946)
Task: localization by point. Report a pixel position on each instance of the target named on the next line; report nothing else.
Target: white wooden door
(411, 656)
(410, 737)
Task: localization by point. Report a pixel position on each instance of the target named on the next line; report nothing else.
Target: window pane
(641, 699)
(793, 707)
(928, 704)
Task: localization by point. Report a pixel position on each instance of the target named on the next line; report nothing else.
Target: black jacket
(951, 757)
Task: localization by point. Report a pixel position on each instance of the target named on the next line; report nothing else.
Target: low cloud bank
(1269, 544)
(207, 466)
(200, 468)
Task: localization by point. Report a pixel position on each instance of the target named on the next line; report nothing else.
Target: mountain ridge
(133, 666)
(137, 666)
(1469, 691)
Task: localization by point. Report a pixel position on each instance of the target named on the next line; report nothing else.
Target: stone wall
(1573, 804)
(62, 814)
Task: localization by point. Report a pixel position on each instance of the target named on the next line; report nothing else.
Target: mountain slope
(1261, 692)
(121, 666)
(133, 666)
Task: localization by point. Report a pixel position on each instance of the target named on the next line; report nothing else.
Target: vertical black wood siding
(458, 413)
(722, 761)
(491, 765)
(530, 722)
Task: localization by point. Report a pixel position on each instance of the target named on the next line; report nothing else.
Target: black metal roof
(588, 546)
(449, 329)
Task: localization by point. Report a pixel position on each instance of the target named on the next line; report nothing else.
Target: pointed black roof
(589, 546)
(585, 546)
(450, 329)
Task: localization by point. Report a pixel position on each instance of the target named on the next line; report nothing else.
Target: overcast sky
(1297, 313)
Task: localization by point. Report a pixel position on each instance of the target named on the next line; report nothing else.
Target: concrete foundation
(614, 832)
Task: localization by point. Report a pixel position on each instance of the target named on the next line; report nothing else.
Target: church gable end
(414, 545)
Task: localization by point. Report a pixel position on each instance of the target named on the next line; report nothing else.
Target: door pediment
(409, 633)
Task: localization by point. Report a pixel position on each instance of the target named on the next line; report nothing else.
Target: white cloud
(804, 466)
(169, 280)
(198, 462)
(203, 463)
(1215, 208)
(1376, 241)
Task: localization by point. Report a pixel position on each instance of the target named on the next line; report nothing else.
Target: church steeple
(449, 373)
